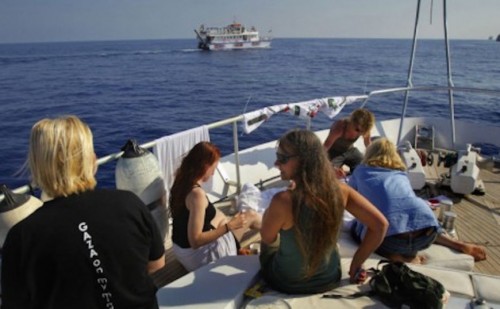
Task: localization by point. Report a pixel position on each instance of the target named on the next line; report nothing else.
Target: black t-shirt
(84, 251)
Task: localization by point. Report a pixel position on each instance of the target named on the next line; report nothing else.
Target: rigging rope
(432, 6)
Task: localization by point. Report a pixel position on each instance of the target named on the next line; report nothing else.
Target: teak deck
(478, 221)
(478, 217)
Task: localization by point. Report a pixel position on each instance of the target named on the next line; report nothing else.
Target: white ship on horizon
(232, 36)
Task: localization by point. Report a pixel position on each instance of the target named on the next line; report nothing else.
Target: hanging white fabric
(330, 106)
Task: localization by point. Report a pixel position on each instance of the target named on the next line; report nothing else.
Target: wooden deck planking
(480, 221)
(173, 268)
(478, 217)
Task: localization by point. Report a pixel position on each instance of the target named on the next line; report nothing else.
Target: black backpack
(396, 285)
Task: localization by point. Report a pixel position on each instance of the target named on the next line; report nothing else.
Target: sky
(95, 20)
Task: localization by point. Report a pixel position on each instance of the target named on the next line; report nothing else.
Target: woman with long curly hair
(201, 233)
(301, 227)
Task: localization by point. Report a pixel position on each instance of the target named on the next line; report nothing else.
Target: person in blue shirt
(413, 227)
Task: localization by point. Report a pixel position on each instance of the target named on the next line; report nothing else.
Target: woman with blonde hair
(201, 233)
(413, 227)
(85, 247)
(301, 226)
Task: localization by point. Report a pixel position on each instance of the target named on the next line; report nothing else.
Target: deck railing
(151, 144)
(234, 122)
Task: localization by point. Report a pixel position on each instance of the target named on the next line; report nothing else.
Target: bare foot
(477, 252)
(418, 259)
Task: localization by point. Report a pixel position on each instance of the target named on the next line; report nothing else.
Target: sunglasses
(283, 159)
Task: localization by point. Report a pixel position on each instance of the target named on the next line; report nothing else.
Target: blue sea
(147, 89)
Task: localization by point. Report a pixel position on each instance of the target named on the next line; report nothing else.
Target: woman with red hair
(201, 233)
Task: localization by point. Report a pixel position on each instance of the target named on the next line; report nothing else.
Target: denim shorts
(407, 247)
(394, 244)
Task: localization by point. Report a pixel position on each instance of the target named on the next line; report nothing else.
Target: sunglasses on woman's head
(283, 158)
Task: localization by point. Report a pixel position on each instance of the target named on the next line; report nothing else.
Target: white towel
(252, 198)
(170, 150)
(193, 259)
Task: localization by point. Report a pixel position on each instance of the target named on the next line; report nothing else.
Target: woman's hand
(238, 221)
(339, 173)
(358, 274)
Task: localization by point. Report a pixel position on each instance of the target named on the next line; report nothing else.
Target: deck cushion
(441, 256)
(458, 283)
(487, 287)
(455, 281)
(435, 255)
(222, 284)
(217, 285)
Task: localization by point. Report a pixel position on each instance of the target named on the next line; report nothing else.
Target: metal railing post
(236, 156)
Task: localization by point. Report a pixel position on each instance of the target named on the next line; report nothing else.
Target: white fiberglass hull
(239, 45)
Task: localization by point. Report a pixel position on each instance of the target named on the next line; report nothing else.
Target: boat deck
(478, 221)
(478, 216)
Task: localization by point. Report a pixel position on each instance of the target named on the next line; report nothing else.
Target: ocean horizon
(146, 89)
(491, 38)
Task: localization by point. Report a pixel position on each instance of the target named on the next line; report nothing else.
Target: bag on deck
(396, 284)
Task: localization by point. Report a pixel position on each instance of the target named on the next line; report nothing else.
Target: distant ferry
(233, 36)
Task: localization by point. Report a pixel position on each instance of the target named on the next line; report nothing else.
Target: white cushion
(435, 255)
(347, 246)
(487, 287)
(455, 281)
(217, 285)
(441, 256)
